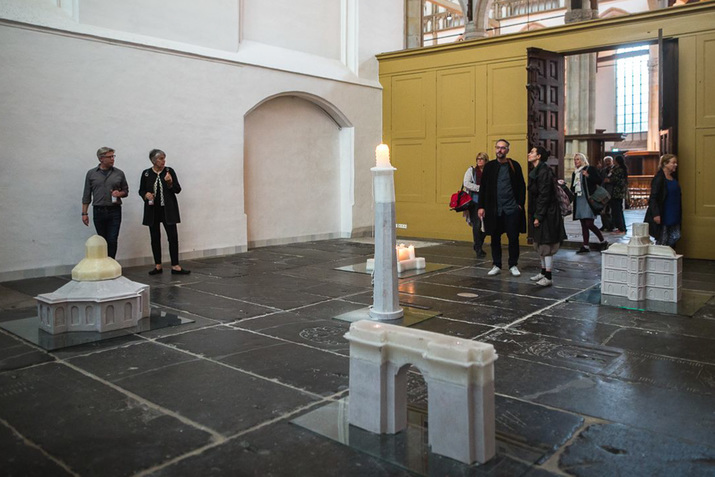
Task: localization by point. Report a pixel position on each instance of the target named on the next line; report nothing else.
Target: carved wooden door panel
(668, 94)
(546, 97)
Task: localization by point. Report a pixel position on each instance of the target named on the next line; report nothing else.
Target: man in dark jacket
(501, 206)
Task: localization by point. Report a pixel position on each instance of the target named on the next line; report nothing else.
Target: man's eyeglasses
(110, 157)
(502, 147)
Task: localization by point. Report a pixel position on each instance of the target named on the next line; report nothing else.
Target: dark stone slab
(15, 354)
(553, 351)
(458, 329)
(210, 306)
(503, 282)
(666, 344)
(332, 276)
(682, 415)
(313, 370)
(567, 328)
(36, 286)
(284, 298)
(613, 449)
(189, 386)
(18, 458)
(320, 333)
(681, 375)
(627, 318)
(92, 428)
(11, 299)
(282, 449)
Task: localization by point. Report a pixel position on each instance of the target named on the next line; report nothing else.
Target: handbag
(599, 199)
(460, 200)
(564, 197)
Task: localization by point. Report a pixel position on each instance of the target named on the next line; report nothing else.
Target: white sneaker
(537, 277)
(494, 271)
(515, 271)
(545, 282)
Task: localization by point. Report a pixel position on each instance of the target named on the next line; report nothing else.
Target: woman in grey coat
(544, 214)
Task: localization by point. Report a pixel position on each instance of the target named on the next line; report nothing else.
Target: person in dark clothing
(664, 212)
(104, 187)
(501, 206)
(544, 214)
(618, 178)
(606, 218)
(158, 187)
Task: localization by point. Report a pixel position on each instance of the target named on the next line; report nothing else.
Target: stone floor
(582, 389)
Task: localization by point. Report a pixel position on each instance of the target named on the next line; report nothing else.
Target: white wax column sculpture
(386, 304)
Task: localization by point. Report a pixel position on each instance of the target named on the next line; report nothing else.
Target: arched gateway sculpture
(460, 382)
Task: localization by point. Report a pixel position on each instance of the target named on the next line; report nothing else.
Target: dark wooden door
(546, 97)
(668, 94)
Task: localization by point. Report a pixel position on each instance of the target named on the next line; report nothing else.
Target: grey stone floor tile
(16, 354)
(280, 298)
(204, 304)
(282, 449)
(666, 344)
(18, 458)
(93, 429)
(12, 299)
(458, 329)
(35, 286)
(552, 351)
(321, 333)
(567, 328)
(614, 449)
(305, 368)
(189, 387)
(671, 373)
(665, 411)
(627, 318)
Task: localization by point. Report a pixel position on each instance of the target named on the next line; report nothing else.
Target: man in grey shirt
(104, 187)
(501, 206)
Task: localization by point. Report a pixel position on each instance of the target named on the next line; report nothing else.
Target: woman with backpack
(544, 214)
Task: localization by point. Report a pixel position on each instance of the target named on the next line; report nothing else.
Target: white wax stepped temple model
(460, 383)
(385, 299)
(406, 259)
(97, 299)
(641, 270)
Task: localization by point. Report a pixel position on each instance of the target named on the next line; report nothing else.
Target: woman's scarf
(159, 189)
(577, 181)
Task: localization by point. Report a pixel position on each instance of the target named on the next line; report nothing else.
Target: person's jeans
(508, 224)
(107, 221)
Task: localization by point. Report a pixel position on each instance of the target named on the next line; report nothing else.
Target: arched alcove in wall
(298, 170)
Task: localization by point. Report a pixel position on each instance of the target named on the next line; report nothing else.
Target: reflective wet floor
(582, 388)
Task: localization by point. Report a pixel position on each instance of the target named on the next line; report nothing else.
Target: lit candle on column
(382, 156)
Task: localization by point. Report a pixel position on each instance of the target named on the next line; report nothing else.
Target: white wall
(67, 88)
(295, 146)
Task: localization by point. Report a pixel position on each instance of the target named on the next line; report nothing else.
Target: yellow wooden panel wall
(706, 85)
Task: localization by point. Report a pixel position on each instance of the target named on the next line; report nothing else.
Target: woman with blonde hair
(664, 212)
(472, 182)
(584, 181)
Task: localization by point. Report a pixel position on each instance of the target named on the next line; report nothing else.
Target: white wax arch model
(460, 382)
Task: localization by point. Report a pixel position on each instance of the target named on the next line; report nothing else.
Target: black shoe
(583, 250)
(156, 271)
(604, 245)
(183, 271)
(481, 254)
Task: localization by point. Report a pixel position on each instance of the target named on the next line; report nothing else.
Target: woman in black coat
(664, 212)
(544, 214)
(584, 181)
(158, 187)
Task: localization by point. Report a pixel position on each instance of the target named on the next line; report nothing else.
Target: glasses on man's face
(502, 148)
(110, 157)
